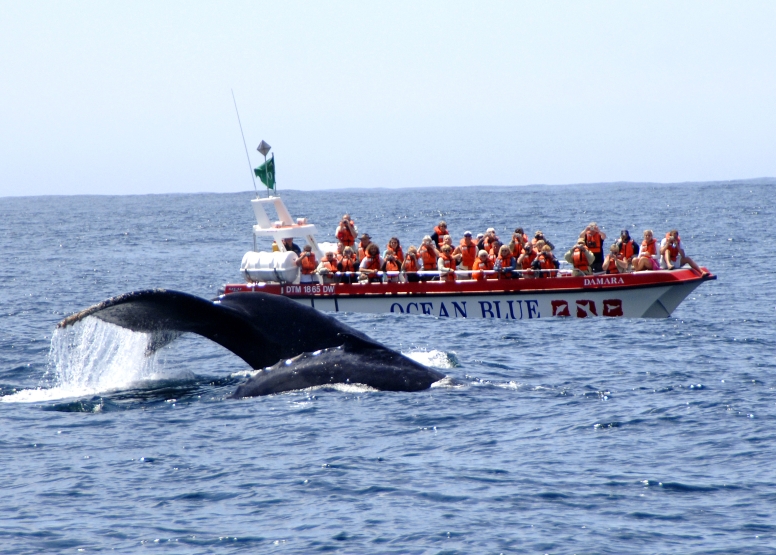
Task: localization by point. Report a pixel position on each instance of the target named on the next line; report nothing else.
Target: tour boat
(648, 294)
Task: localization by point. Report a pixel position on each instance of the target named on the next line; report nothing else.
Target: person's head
(447, 240)
(480, 237)
(347, 252)
(307, 249)
(393, 243)
(340, 247)
(519, 231)
(442, 225)
(467, 236)
(483, 255)
(373, 250)
(674, 234)
(648, 234)
(490, 232)
(389, 255)
(288, 241)
(503, 251)
(412, 252)
(346, 217)
(539, 236)
(540, 245)
(546, 250)
(427, 240)
(625, 235)
(330, 255)
(496, 245)
(365, 239)
(447, 249)
(580, 244)
(527, 248)
(592, 226)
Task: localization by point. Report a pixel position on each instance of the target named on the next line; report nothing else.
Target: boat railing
(435, 275)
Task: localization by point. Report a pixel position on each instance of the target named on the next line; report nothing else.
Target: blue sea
(601, 435)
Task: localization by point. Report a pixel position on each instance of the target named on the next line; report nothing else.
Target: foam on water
(433, 358)
(94, 357)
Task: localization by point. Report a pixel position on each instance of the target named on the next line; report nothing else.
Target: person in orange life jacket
(428, 255)
(439, 231)
(447, 240)
(395, 246)
(580, 258)
(506, 264)
(328, 268)
(627, 247)
(346, 231)
(364, 242)
(495, 247)
(467, 251)
(371, 265)
(411, 265)
(545, 263)
(614, 263)
(672, 254)
(290, 246)
(489, 239)
(482, 264)
(392, 265)
(446, 263)
(540, 238)
(348, 266)
(648, 255)
(594, 239)
(521, 235)
(308, 264)
(525, 260)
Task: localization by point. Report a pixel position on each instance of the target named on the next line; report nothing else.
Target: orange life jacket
(516, 249)
(480, 268)
(345, 236)
(528, 260)
(673, 250)
(309, 264)
(580, 261)
(468, 253)
(371, 263)
(429, 258)
(361, 252)
(593, 241)
(410, 265)
(547, 262)
(398, 252)
(612, 266)
(349, 264)
(506, 263)
(330, 265)
(391, 266)
(627, 250)
(448, 262)
(649, 248)
(440, 234)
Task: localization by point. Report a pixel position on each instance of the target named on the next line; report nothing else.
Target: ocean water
(563, 436)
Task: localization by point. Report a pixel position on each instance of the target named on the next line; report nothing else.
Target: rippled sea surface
(565, 436)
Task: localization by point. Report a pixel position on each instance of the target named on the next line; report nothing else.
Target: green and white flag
(266, 172)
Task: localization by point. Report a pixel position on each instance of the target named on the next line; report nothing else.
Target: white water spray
(92, 357)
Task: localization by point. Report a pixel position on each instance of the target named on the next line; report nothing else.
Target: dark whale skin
(297, 346)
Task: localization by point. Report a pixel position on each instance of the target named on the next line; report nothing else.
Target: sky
(135, 97)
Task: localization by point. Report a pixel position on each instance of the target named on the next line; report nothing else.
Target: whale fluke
(297, 346)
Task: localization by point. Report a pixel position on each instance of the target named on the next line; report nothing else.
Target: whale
(292, 346)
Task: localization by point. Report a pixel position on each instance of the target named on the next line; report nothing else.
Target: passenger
(581, 258)
(371, 264)
(482, 264)
(346, 231)
(627, 247)
(439, 231)
(348, 266)
(365, 241)
(411, 265)
(290, 246)
(526, 259)
(480, 242)
(328, 268)
(495, 247)
(539, 237)
(308, 264)
(428, 257)
(545, 263)
(506, 264)
(395, 246)
(391, 265)
(490, 238)
(522, 235)
(594, 239)
(467, 250)
(672, 254)
(648, 256)
(614, 262)
(446, 263)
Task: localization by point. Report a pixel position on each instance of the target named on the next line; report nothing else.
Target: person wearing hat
(480, 240)
(467, 251)
(580, 257)
(363, 244)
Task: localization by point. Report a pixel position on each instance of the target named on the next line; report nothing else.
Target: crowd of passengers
(485, 256)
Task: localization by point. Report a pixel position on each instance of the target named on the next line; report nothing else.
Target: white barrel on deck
(270, 266)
